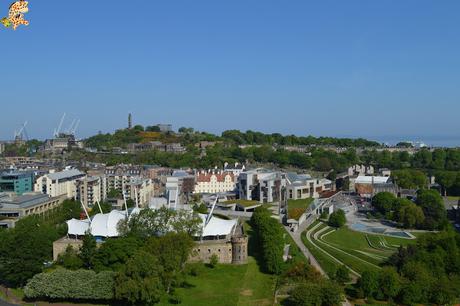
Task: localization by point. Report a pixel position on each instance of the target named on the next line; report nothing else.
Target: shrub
(337, 219)
(214, 260)
(62, 284)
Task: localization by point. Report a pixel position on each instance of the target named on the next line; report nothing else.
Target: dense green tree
(139, 283)
(173, 251)
(384, 202)
(269, 235)
(389, 282)
(149, 223)
(324, 293)
(337, 219)
(446, 179)
(368, 283)
(409, 178)
(408, 214)
(24, 249)
(114, 253)
(154, 128)
(433, 208)
(342, 275)
(88, 250)
(70, 259)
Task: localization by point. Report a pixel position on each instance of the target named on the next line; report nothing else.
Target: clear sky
(340, 68)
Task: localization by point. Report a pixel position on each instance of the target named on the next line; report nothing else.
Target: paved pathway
(298, 240)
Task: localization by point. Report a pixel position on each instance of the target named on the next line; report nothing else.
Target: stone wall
(59, 246)
(203, 251)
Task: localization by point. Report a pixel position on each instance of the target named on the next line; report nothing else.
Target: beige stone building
(214, 182)
(56, 184)
(91, 190)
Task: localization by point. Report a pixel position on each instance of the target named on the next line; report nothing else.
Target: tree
(446, 179)
(409, 214)
(433, 208)
(384, 202)
(138, 128)
(70, 259)
(322, 293)
(88, 250)
(306, 294)
(368, 283)
(172, 251)
(409, 178)
(150, 223)
(139, 282)
(342, 275)
(269, 235)
(337, 219)
(114, 193)
(201, 208)
(153, 128)
(115, 253)
(24, 249)
(389, 282)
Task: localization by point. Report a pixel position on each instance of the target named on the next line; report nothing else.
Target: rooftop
(65, 174)
(24, 201)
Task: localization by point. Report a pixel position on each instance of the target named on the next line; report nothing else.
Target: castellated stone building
(230, 249)
(224, 238)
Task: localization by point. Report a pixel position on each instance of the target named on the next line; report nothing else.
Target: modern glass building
(18, 182)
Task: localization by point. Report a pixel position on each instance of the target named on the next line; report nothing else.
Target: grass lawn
(359, 251)
(228, 285)
(297, 207)
(245, 203)
(329, 266)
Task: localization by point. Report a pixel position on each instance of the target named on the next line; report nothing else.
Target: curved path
(315, 235)
(298, 240)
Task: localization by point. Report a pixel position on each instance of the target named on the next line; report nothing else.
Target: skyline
(355, 69)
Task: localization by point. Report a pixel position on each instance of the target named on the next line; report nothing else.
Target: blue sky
(346, 68)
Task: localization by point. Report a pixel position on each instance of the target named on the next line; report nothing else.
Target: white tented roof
(371, 179)
(217, 227)
(105, 225)
(77, 227)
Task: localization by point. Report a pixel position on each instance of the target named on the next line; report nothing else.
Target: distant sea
(431, 141)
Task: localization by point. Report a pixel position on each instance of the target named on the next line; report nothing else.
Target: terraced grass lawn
(359, 251)
(326, 262)
(297, 207)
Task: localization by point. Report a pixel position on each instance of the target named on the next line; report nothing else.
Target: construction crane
(21, 134)
(74, 128)
(58, 131)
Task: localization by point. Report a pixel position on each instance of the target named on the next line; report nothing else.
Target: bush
(342, 275)
(337, 219)
(214, 260)
(322, 293)
(62, 284)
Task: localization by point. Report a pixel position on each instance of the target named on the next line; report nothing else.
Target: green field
(297, 207)
(358, 251)
(228, 285)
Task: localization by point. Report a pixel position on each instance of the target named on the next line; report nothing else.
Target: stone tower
(239, 250)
